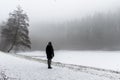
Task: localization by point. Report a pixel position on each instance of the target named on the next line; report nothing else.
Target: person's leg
(49, 63)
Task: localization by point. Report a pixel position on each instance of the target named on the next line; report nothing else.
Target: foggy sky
(57, 10)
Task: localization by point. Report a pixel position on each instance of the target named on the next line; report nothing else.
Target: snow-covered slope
(99, 59)
(22, 69)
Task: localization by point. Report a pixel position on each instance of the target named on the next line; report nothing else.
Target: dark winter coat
(49, 51)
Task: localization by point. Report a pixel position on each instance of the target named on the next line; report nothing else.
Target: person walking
(50, 54)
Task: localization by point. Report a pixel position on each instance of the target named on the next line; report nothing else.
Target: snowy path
(115, 75)
(16, 68)
(99, 59)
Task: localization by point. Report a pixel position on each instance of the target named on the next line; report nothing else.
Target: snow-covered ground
(99, 59)
(17, 68)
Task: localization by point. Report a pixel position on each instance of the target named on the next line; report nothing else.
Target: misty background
(70, 24)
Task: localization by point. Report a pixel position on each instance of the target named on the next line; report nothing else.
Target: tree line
(97, 32)
(100, 31)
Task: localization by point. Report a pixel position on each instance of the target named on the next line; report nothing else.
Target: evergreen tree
(16, 31)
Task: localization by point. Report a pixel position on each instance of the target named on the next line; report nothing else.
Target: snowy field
(99, 59)
(17, 68)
